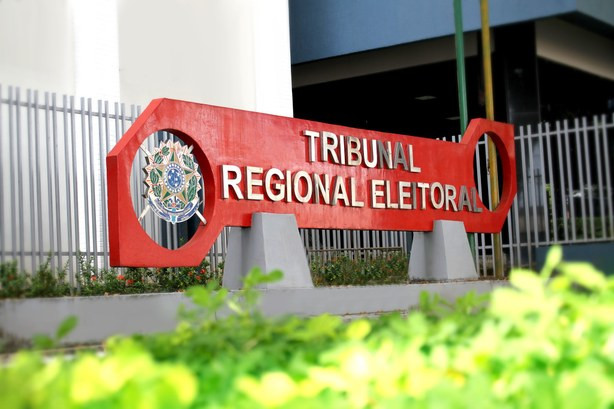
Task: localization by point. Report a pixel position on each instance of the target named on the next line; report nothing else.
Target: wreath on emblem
(173, 182)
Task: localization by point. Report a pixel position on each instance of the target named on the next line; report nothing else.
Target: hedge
(546, 341)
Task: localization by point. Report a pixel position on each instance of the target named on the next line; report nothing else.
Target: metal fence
(53, 197)
(564, 189)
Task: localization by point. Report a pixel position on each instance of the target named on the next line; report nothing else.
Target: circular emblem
(174, 179)
(173, 182)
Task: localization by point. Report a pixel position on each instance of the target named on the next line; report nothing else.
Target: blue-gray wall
(328, 28)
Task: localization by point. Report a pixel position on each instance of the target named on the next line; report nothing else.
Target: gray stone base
(101, 317)
(442, 254)
(272, 242)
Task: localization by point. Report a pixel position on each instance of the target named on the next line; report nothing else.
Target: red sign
(328, 176)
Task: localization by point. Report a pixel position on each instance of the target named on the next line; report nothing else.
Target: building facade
(382, 65)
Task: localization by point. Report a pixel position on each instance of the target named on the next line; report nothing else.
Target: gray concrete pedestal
(443, 254)
(271, 243)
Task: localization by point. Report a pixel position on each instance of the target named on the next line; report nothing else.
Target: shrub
(47, 282)
(547, 341)
(13, 283)
(390, 268)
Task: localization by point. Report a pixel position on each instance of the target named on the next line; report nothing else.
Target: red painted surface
(223, 136)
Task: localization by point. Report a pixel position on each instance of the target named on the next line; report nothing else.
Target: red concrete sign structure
(328, 176)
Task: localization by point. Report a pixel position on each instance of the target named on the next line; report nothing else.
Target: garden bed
(102, 316)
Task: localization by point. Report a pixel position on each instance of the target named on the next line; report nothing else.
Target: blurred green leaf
(584, 274)
(553, 258)
(66, 327)
(41, 341)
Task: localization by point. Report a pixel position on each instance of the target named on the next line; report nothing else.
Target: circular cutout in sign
(173, 182)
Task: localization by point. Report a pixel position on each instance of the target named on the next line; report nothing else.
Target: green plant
(44, 283)
(546, 341)
(142, 280)
(13, 283)
(42, 341)
(47, 283)
(389, 268)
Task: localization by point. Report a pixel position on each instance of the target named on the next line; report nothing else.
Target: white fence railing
(53, 196)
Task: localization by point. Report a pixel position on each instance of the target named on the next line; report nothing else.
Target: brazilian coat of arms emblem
(173, 182)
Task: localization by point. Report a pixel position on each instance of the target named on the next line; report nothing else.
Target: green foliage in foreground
(547, 341)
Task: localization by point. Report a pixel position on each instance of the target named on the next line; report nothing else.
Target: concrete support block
(443, 254)
(272, 242)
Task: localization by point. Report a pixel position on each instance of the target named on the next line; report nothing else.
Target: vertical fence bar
(86, 198)
(39, 207)
(304, 238)
(337, 239)
(589, 180)
(540, 136)
(102, 150)
(494, 255)
(215, 252)
(572, 206)
(551, 183)
(476, 254)
(31, 166)
(481, 236)
(525, 194)
(385, 239)
(56, 176)
(483, 150)
(559, 143)
(167, 228)
(315, 243)
(108, 144)
(580, 177)
(517, 231)
(365, 243)
(532, 196)
(152, 141)
(602, 213)
(90, 139)
(138, 173)
(225, 243)
(12, 175)
(476, 164)
(68, 204)
(18, 164)
(326, 244)
(119, 126)
(134, 176)
(485, 236)
(75, 182)
(510, 239)
(48, 143)
(608, 181)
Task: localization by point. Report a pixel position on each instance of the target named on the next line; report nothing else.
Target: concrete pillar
(272, 242)
(442, 254)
